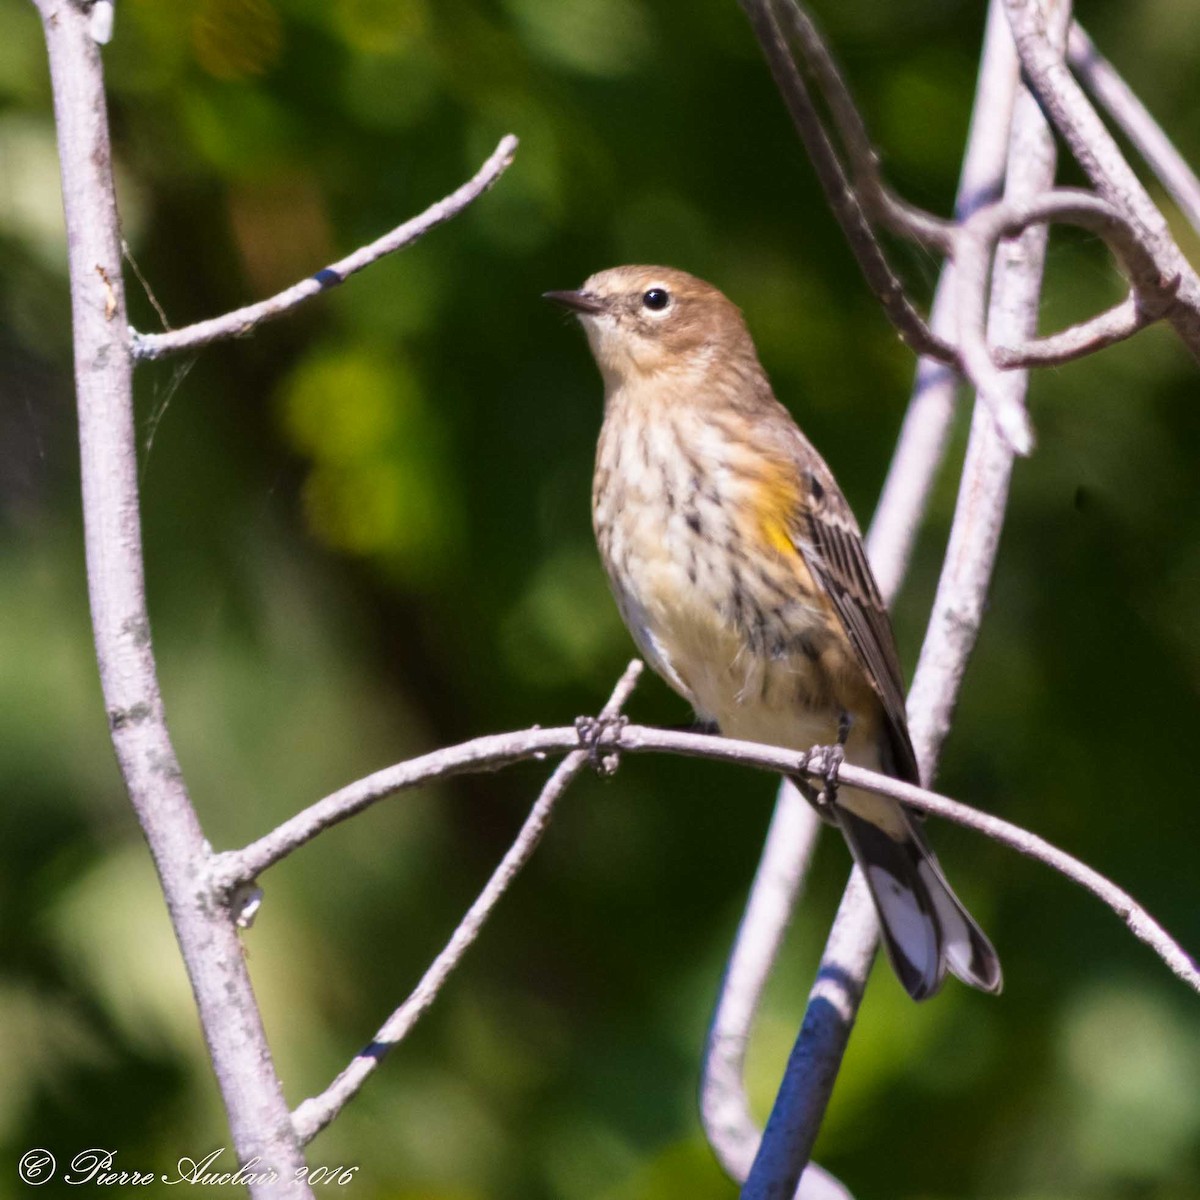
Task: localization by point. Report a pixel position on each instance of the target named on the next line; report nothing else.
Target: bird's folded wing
(827, 535)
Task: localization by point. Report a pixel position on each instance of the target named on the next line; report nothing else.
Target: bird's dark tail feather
(926, 930)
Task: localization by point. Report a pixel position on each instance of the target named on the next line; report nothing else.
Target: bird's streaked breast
(693, 529)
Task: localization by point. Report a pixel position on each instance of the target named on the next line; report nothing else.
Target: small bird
(741, 573)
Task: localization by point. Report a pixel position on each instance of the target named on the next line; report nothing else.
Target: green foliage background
(367, 535)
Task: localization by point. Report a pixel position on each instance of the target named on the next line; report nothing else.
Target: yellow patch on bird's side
(777, 537)
(775, 502)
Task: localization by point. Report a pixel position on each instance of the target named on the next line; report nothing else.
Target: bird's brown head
(642, 322)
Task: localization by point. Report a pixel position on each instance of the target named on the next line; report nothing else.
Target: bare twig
(890, 539)
(1100, 77)
(724, 1105)
(880, 203)
(1108, 328)
(983, 494)
(642, 739)
(851, 946)
(241, 321)
(233, 868)
(1098, 154)
(815, 1058)
(1151, 296)
(259, 1119)
(849, 206)
(870, 200)
(314, 1114)
(922, 443)
(919, 452)
(1137, 920)
(842, 198)
(609, 738)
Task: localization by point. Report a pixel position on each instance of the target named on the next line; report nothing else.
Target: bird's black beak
(580, 302)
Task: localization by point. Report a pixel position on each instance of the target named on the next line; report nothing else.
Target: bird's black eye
(656, 299)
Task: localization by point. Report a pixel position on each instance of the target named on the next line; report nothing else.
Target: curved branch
(1096, 151)
(314, 1114)
(983, 492)
(241, 321)
(730, 1128)
(612, 738)
(1136, 919)
(920, 451)
(644, 739)
(1151, 297)
(233, 868)
(1114, 325)
(839, 194)
(812, 1069)
(880, 203)
(950, 638)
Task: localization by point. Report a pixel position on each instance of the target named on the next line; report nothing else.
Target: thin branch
(821, 1043)
(850, 206)
(839, 194)
(1151, 297)
(870, 200)
(778, 882)
(233, 868)
(208, 940)
(1100, 77)
(643, 739)
(816, 1057)
(1096, 151)
(983, 494)
(1137, 920)
(880, 203)
(607, 739)
(1114, 325)
(725, 1108)
(922, 443)
(241, 321)
(314, 1114)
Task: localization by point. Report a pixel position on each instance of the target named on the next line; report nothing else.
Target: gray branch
(313, 1115)
(922, 445)
(1100, 77)
(1096, 151)
(861, 200)
(847, 204)
(258, 1116)
(724, 1105)
(890, 540)
(604, 741)
(243, 320)
(983, 495)
(880, 203)
(833, 1005)
(1114, 325)
(105, 351)
(1150, 299)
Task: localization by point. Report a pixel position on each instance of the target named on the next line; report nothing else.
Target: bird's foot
(824, 763)
(601, 738)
